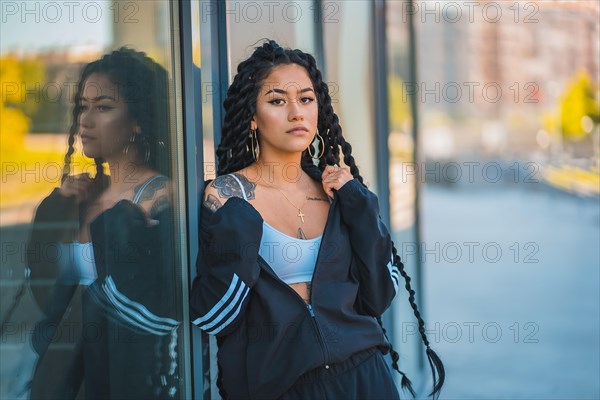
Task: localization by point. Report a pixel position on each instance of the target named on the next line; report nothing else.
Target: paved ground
(522, 325)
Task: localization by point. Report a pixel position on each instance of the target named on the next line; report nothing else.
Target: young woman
(295, 267)
(113, 273)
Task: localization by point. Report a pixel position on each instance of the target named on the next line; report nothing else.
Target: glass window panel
(348, 56)
(91, 273)
(206, 60)
(403, 185)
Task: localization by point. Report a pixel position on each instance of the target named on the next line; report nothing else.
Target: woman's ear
(253, 125)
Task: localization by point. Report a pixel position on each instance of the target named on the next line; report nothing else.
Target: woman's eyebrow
(94, 99)
(281, 91)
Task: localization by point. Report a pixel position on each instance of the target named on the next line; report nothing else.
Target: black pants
(365, 375)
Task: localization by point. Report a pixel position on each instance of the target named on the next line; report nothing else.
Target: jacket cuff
(355, 198)
(56, 207)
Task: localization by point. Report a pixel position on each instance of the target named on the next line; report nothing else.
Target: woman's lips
(86, 138)
(298, 130)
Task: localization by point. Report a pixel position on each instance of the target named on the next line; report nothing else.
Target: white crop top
(76, 263)
(292, 259)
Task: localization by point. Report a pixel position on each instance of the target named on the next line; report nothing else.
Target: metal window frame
(382, 130)
(192, 131)
(381, 109)
(414, 109)
(194, 159)
(319, 42)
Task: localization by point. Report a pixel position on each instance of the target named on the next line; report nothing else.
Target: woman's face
(104, 124)
(286, 111)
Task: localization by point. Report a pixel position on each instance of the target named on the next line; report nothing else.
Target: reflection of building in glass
(145, 26)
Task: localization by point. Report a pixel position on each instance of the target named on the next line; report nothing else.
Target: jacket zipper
(319, 334)
(308, 305)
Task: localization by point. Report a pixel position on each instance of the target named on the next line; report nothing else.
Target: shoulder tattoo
(150, 190)
(227, 186)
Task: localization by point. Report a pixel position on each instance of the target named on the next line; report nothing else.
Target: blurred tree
(33, 76)
(14, 124)
(399, 103)
(577, 102)
(23, 104)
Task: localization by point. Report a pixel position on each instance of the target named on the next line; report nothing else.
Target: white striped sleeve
(135, 313)
(394, 273)
(226, 309)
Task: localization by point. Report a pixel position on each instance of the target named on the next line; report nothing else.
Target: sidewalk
(523, 323)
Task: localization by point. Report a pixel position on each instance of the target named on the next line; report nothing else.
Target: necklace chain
(300, 215)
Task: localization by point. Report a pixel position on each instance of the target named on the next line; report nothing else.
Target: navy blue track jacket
(268, 335)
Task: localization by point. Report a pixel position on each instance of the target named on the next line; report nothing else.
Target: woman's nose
(296, 113)
(85, 119)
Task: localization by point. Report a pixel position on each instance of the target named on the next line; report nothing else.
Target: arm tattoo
(159, 205)
(212, 203)
(227, 186)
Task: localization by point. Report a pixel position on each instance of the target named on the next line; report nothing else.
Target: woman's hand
(334, 178)
(78, 186)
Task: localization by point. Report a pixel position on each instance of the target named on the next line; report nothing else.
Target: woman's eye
(276, 102)
(306, 100)
(103, 108)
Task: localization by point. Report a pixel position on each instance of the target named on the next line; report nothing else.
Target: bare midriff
(303, 290)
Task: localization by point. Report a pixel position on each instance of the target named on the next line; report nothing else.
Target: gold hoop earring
(144, 143)
(319, 141)
(255, 148)
(131, 142)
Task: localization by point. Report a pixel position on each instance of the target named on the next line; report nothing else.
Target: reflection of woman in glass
(113, 240)
(295, 267)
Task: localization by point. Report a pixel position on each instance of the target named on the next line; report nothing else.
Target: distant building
(503, 64)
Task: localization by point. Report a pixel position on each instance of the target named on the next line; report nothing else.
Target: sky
(38, 25)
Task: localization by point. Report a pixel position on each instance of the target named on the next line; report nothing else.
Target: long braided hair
(232, 155)
(143, 85)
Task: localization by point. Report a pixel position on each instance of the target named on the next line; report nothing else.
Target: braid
(231, 153)
(70, 151)
(72, 131)
(329, 123)
(240, 107)
(100, 180)
(405, 383)
(437, 367)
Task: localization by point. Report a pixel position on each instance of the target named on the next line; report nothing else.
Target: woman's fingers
(334, 178)
(78, 186)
